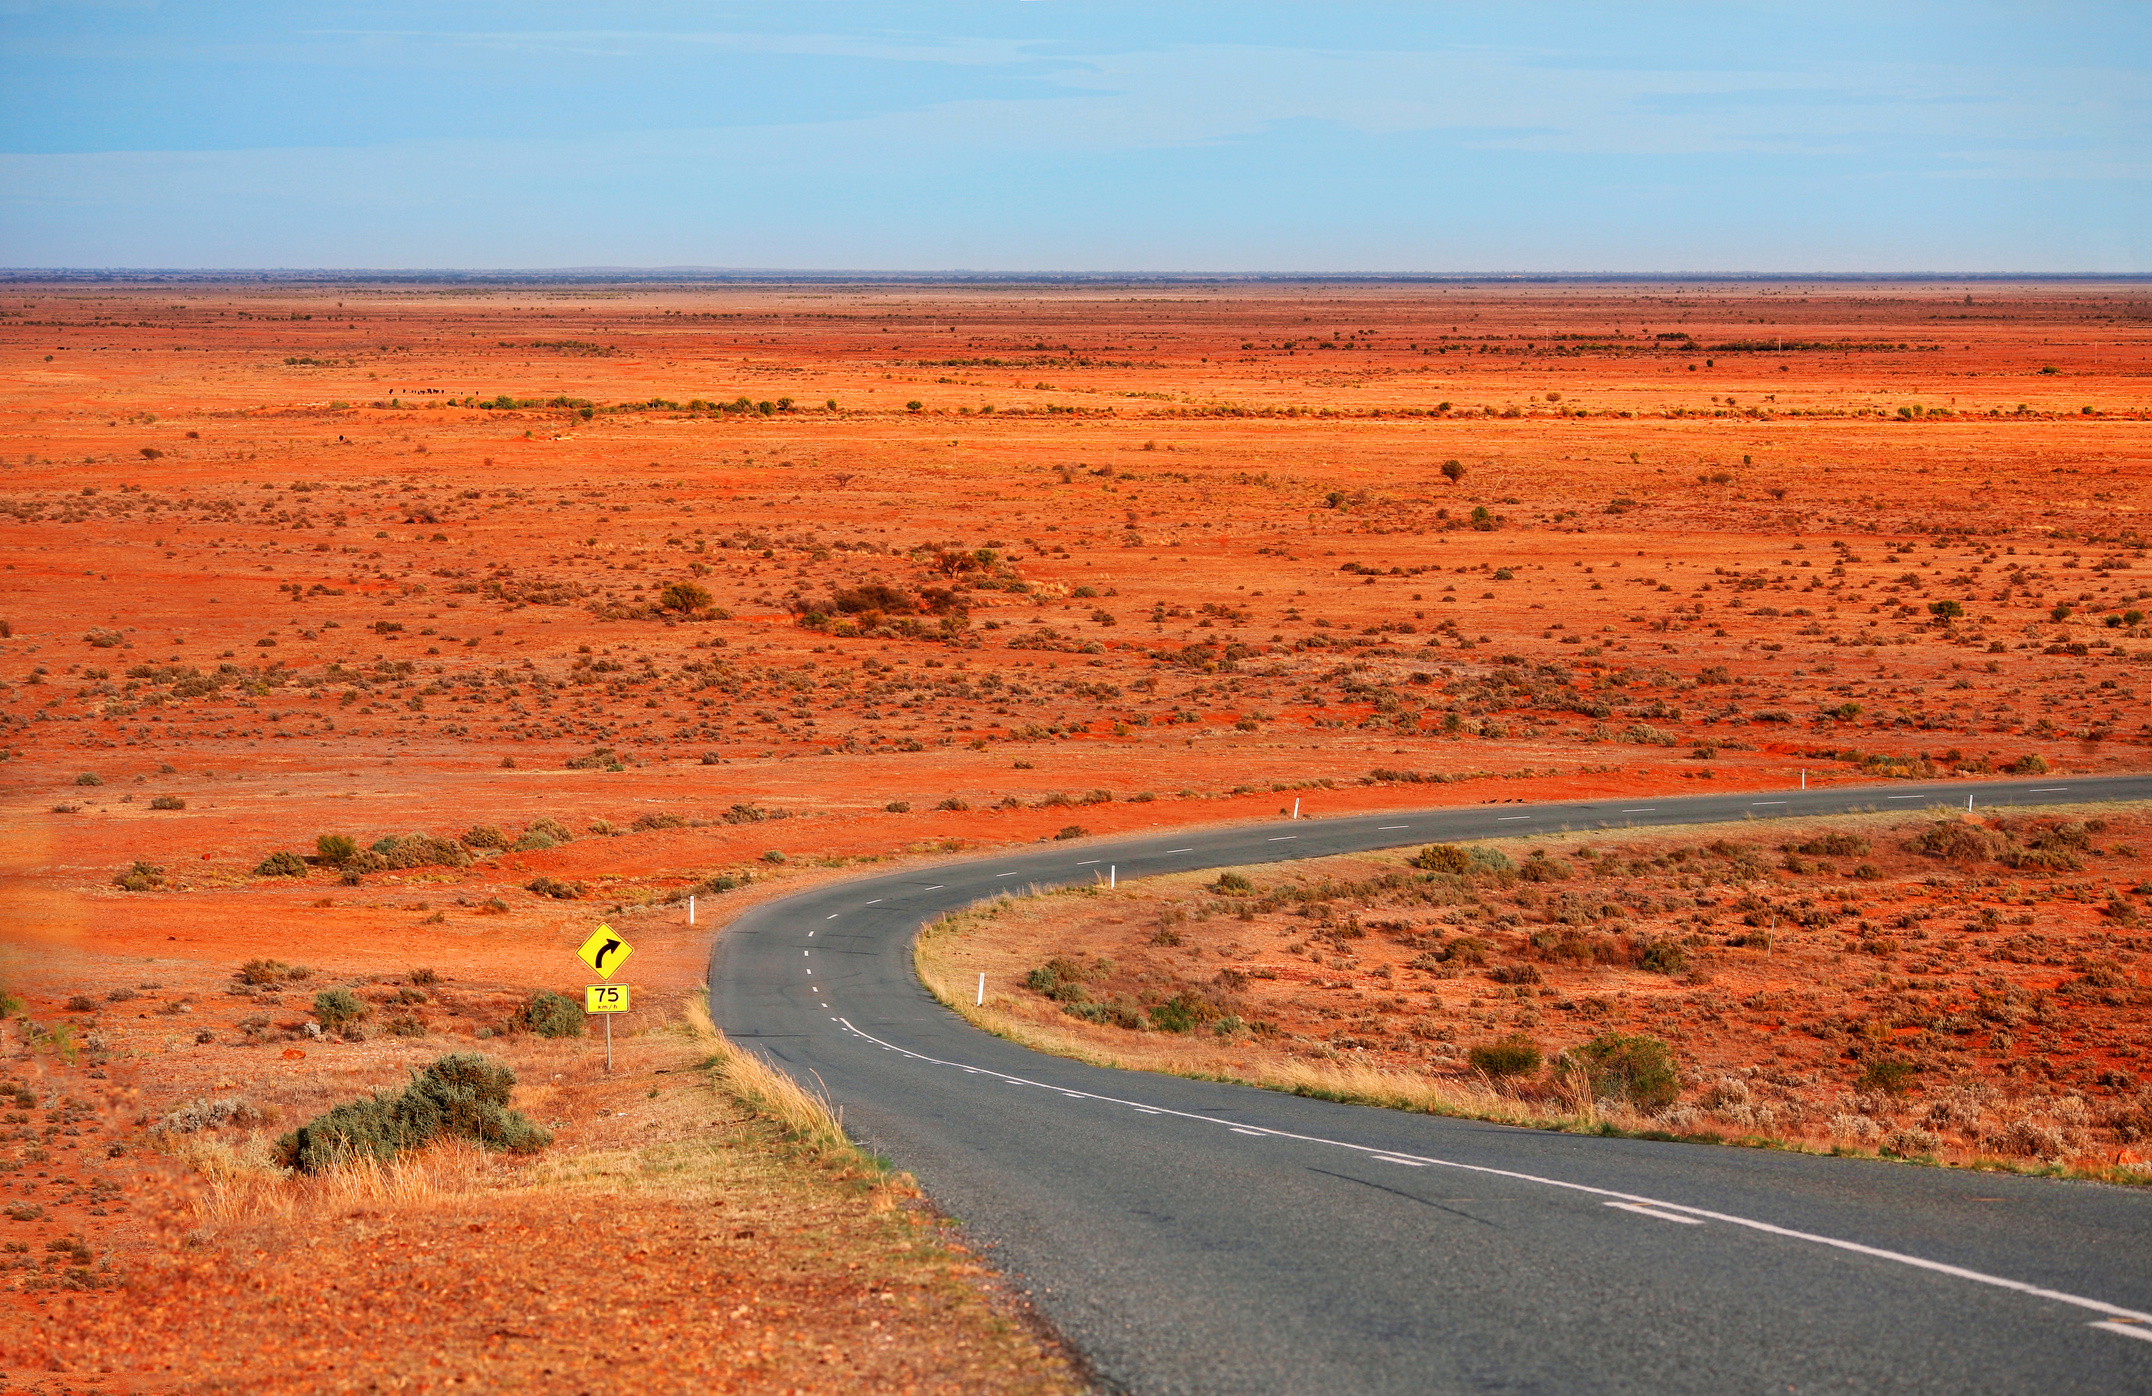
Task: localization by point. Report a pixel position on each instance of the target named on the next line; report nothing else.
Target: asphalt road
(1189, 1236)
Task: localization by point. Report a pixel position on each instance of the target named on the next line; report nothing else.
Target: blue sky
(1010, 135)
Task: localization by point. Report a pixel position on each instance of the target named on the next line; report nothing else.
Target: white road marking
(1386, 828)
(1089, 861)
(2127, 1330)
(1960, 1272)
(1642, 809)
(1258, 1133)
(1758, 804)
(935, 888)
(1662, 1216)
(1180, 850)
(1512, 818)
(831, 917)
(1905, 797)
(2047, 789)
(1392, 1158)
(1285, 838)
(870, 903)
(1005, 874)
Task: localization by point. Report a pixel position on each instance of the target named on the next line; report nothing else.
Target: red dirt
(227, 588)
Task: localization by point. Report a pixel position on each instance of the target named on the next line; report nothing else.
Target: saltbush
(462, 1095)
(339, 1009)
(552, 1015)
(1634, 1068)
(281, 864)
(1515, 1055)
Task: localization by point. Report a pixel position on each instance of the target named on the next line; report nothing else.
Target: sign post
(605, 952)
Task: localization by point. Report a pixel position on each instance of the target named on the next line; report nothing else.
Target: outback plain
(366, 645)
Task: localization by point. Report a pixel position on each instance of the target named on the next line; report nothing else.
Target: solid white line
(1662, 1216)
(2127, 1330)
(1258, 1133)
(1407, 1162)
(2098, 1306)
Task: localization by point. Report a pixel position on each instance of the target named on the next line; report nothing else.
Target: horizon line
(782, 275)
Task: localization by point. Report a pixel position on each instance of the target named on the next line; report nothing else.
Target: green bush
(1233, 884)
(335, 850)
(1835, 846)
(89, 778)
(684, 596)
(1662, 957)
(553, 887)
(552, 1015)
(1637, 1069)
(1889, 1074)
(485, 836)
(462, 1095)
(141, 877)
(339, 1009)
(1445, 858)
(1184, 1012)
(1956, 840)
(1515, 1055)
(281, 864)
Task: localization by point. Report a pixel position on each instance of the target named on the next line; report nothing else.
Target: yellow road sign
(605, 998)
(605, 951)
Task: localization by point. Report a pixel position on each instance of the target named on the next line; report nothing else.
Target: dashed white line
(1386, 828)
(1089, 861)
(1758, 804)
(1511, 818)
(1642, 809)
(831, 917)
(1643, 1211)
(935, 888)
(1180, 850)
(2127, 1319)
(870, 903)
(1005, 874)
(2047, 790)
(1905, 797)
(1285, 838)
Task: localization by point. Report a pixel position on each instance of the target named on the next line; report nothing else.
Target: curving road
(1189, 1236)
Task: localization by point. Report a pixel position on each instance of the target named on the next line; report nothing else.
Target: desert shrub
(1889, 1074)
(462, 1095)
(167, 802)
(485, 836)
(1117, 1013)
(1958, 841)
(685, 596)
(422, 851)
(265, 971)
(1662, 957)
(81, 1003)
(339, 1009)
(555, 888)
(405, 1025)
(335, 849)
(1516, 974)
(423, 976)
(1636, 1068)
(2030, 764)
(602, 758)
(281, 864)
(198, 1115)
(1184, 1012)
(1515, 1055)
(89, 778)
(1445, 857)
(139, 877)
(1910, 1141)
(745, 814)
(551, 829)
(604, 828)
(1072, 831)
(1233, 884)
(1540, 868)
(1060, 979)
(654, 820)
(552, 1015)
(1466, 950)
(716, 883)
(773, 855)
(954, 803)
(1835, 846)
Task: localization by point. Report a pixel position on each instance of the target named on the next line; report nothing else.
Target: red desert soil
(622, 591)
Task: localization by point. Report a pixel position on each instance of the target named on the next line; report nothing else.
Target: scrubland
(361, 628)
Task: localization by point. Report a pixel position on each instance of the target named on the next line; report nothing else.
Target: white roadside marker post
(982, 989)
(691, 911)
(1804, 778)
(1111, 881)
(1296, 807)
